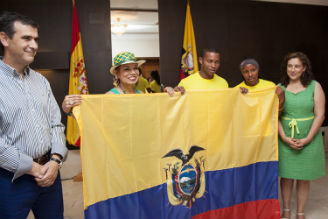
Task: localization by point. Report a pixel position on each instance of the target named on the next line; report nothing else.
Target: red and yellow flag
(189, 64)
(77, 79)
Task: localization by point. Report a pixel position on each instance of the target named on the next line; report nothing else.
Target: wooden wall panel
(55, 29)
(239, 29)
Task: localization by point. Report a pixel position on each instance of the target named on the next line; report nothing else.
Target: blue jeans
(19, 197)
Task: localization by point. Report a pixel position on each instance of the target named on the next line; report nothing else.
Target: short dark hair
(307, 75)
(205, 50)
(7, 20)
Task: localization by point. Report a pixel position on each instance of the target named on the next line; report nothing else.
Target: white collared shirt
(30, 120)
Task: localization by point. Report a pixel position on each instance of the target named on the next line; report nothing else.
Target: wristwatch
(60, 163)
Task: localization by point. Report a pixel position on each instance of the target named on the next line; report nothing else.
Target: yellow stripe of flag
(129, 140)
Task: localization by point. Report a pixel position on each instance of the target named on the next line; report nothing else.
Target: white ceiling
(142, 23)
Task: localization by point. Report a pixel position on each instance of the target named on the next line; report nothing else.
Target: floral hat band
(125, 58)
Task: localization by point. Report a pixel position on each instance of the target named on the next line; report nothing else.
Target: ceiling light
(118, 28)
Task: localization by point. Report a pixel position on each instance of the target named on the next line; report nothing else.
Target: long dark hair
(155, 75)
(307, 75)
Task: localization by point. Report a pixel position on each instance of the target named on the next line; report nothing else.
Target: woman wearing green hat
(126, 73)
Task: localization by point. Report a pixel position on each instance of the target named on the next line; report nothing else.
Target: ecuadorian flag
(205, 154)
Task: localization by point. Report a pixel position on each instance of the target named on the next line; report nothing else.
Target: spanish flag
(77, 78)
(205, 154)
(189, 64)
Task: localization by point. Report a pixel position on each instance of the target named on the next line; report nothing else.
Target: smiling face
(295, 68)
(21, 49)
(127, 74)
(210, 64)
(250, 73)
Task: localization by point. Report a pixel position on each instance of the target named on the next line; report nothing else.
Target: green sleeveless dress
(308, 163)
(115, 91)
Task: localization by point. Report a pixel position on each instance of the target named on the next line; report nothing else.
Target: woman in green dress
(301, 151)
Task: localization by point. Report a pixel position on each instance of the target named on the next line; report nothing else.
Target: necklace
(124, 92)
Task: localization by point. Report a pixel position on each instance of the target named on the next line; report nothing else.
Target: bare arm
(319, 114)
(281, 96)
(282, 132)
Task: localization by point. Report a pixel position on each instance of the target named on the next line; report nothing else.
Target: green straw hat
(125, 58)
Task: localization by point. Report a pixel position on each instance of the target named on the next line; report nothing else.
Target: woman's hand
(293, 143)
(171, 90)
(71, 101)
(300, 143)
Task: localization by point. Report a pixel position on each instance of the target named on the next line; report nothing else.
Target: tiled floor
(317, 206)
(72, 191)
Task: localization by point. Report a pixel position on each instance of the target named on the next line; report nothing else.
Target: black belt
(43, 159)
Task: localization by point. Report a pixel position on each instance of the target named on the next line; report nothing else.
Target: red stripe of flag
(75, 28)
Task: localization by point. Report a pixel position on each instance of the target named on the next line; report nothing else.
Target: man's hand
(180, 89)
(36, 170)
(243, 90)
(50, 171)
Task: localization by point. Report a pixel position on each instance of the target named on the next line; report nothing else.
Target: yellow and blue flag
(205, 154)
